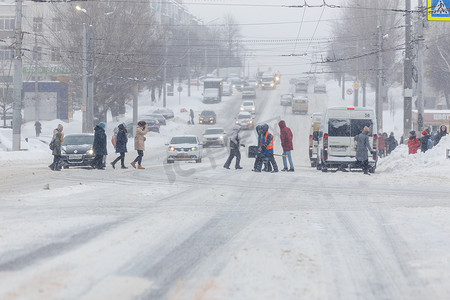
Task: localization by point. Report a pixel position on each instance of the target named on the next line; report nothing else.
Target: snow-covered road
(198, 231)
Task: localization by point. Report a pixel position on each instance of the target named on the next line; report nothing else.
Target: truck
(212, 90)
(300, 105)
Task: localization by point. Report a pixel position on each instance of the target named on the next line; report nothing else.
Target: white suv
(184, 148)
(248, 106)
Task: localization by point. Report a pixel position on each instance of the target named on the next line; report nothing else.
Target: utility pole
(407, 102)
(379, 97)
(356, 83)
(165, 77)
(343, 86)
(218, 61)
(90, 98)
(36, 82)
(84, 78)
(135, 104)
(420, 41)
(17, 81)
(189, 63)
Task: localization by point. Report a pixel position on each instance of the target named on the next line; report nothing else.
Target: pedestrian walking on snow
(191, 115)
(286, 143)
(38, 128)
(267, 146)
(391, 143)
(139, 143)
(413, 143)
(58, 137)
(235, 143)
(121, 146)
(99, 146)
(362, 146)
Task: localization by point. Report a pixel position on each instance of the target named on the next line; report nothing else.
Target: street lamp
(88, 70)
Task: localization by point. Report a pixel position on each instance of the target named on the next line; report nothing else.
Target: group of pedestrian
(119, 141)
(386, 144)
(264, 160)
(427, 141)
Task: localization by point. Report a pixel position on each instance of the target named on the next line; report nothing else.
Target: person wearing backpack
(120, 144)
(55, 146)
(425, 141)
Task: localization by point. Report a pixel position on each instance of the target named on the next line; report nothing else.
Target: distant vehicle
(245, 120)
(153, 125)
(77, 150)
(286, 99)
(314, 138)
(248, 106)
(212, 90)
(249, 92)
(267, 82)
(207, 117)
(215, 136)
(166, 112)
(161, 119)
(293, 81)
(253, 82)
(277, 78)
(300, 105)
(240, 85)
(301, 86)
(227, 89)
(184, 148)
(320, 88)
(336, 145)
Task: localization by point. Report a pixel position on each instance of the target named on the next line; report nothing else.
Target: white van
(316, 118)
(339, 126)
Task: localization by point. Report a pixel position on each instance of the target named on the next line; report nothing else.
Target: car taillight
(375, 146)
(325, 146)
(310, 141)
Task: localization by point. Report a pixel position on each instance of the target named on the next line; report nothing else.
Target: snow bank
(431, 164)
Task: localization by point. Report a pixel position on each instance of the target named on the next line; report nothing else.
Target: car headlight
(211, 118)
(193, 148)
(221, 137)
(237, 122)
(171, 148)
(271, 84)
(90, 152)
(262, 84)
(242, 108)
(253, 108)
(250, 122)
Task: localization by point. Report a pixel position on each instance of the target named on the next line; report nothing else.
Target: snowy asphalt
(198, 231)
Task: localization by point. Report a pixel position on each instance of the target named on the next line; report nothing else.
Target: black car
(77, 150)
(166, 112)
(207, 117)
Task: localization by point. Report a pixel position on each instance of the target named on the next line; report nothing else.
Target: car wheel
(371, 170)
(318, 167)
(198, 161)
(313, 164)
(66, 167)
(170, 161)
(324, 169)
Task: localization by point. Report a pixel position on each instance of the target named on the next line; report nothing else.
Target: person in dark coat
(413, 143)
(38, 128)
(424, 141)
(259, 157)
(235, 144)
(99, 146)
(391, 143)
(121, 146)
(362, 146)
(58, 137)
(286, 142)
(440, 134)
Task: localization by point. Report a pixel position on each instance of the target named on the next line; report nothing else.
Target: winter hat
(412, 132)
(424, 132)
(142, 123)
(121, 126)
(237, 128)
(59, 127)
(102, 125)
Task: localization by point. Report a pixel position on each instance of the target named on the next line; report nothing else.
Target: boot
(133, 164)
(141, 167)
(123, 167)
(113, 164)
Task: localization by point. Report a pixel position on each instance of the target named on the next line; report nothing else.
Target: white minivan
(338, 128)
(316, 118)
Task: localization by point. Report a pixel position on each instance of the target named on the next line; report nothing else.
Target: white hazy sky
(284, 24)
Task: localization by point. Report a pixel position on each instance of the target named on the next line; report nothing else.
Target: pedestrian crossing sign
(439, 10)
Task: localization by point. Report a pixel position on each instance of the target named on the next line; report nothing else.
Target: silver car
(184, 148)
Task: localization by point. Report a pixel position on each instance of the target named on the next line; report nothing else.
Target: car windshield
(249, 89)
(183, 140)
(214, 131)
(247, 104)
(208, 113)
(346, 127)
(244, 116)
(78, 140)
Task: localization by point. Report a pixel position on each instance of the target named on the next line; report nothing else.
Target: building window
(37, 24)
(56, 55)
(6, 54)
(56, 25)
(37, 53)
(7, 23)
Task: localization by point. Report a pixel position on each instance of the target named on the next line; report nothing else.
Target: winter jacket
(424, 143)
(121, 141)
(381, 142)
(285, 136)
(234, 138)
(362, 146)
(442, 132)
(58, 136)
(391, 143)
(266, 143)
(139, 139)
(413, 145)
(100, 141)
